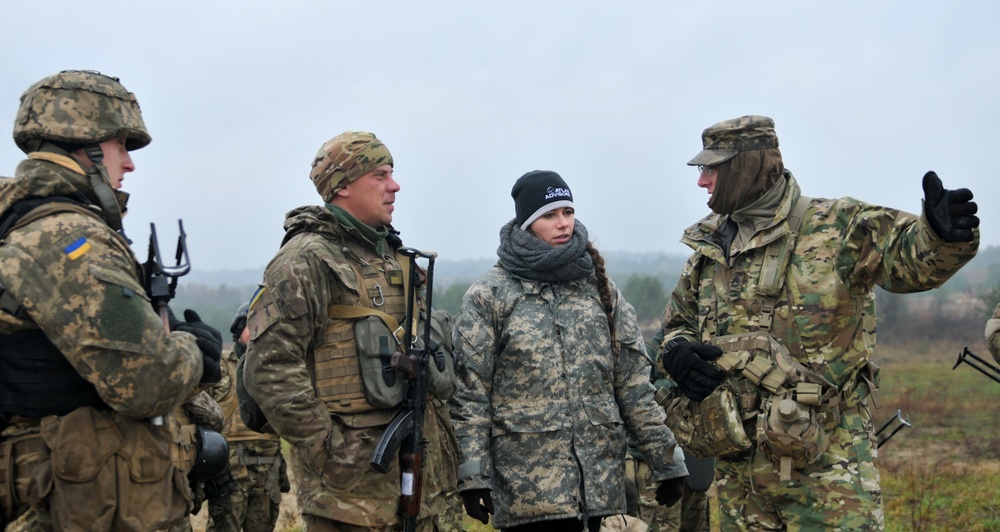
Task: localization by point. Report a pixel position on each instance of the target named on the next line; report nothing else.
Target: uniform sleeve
(898, 251)
(283, 320)
(680, 318)
(634, 393)
(78, 281)
(474, 338)
(993, 333)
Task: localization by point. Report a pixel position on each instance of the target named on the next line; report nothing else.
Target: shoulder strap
(28, 210)
(775, 262)
(345, 312)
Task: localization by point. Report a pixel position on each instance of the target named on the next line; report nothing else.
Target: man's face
(116, 159)
(706, 178)
(370, 198)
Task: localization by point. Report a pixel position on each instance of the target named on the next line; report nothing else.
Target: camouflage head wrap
(724, 140)
(345, 158)
(79, 107)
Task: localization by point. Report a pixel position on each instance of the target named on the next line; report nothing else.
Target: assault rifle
(405, 434)
(161, 281)
(980, 364)
(897, 422)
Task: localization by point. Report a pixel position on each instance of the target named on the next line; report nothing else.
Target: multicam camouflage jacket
(825, 314)
(544, 402)
(77, 280)
(993, 333)
(289, 324)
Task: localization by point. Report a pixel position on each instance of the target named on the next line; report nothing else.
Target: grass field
(942, 473)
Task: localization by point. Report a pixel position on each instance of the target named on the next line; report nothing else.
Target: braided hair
(604, 290)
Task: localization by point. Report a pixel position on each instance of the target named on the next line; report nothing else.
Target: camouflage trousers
(690, 514)
(315, 523)
(255, 502)
(841, 491)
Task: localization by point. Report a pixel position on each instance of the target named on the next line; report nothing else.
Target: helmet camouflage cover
(79, 107)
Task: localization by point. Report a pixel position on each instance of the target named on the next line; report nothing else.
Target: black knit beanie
(538, 192)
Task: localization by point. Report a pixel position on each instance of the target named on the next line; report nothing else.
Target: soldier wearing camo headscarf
(773, 323)
(309, 365)
(552, 374)
(89, 375)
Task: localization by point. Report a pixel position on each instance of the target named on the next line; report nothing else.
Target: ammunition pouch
(381, 383)
(97, 470)
(441, 380)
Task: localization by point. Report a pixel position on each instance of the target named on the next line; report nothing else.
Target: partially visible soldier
(257, 467)
(89, 374)
(993, 333)
(692, 513)
(314, 368)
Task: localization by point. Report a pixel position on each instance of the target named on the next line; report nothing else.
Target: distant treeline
(957, 310)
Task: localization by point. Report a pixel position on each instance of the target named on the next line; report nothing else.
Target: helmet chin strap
(101, 183)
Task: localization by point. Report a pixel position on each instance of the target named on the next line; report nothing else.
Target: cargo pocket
(148, 498)
(82, 446)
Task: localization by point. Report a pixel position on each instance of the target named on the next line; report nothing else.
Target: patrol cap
(344, 159)
(722, 141)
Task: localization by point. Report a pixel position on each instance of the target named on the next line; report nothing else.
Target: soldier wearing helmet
(770, 331)
(258, 469)
(87, 363)
(315, 368)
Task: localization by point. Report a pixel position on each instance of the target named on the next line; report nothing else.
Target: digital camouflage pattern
(543, 399)
(993, 333)
(825, 317)
(255, 462)
(77, 280)
(345, 158)
(690, 514)
(722, 141)
(329, 454)
(79, 107)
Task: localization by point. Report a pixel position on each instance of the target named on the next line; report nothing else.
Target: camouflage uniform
(256, 463)
(993, 333)
(74, 278)
(542, 405)
(302, 367)
(826, 318)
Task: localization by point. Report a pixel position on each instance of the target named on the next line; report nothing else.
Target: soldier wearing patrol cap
(312, 363)
(773, 320)
(85, 361)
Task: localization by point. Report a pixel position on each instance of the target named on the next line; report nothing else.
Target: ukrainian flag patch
(78, 248)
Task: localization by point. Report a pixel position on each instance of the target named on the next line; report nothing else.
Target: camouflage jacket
(544, 403)
(287, 321)
(993, 333)
(825, 314)
(77, 280)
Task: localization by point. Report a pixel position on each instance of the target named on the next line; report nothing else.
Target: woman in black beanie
(552, 373)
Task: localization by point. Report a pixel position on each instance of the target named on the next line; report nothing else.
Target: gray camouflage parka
(543, 402)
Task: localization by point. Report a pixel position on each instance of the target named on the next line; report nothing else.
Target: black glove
(220, 487)
(478, 504)
(687, 366)
(670, 491)
(951, 213)
(209, 341)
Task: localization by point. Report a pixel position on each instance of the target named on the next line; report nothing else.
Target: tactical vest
(26, 355)
(337, 377)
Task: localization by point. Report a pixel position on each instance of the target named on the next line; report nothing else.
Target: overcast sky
(468, 95)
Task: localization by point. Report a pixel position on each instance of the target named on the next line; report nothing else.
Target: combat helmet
(79, 107)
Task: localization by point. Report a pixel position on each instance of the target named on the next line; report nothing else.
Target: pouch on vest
(383, 385)
(441, 381)
(110, 472)
(790, 434)
(711, 427)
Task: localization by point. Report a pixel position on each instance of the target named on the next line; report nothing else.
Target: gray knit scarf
(525, 255)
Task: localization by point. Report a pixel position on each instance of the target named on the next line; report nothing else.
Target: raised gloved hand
(478, 504)
(686, 362)
(209, 341)
(670, 491)
(951, 213)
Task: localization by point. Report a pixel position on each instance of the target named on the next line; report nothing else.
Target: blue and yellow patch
(77, 249)
(256, 295)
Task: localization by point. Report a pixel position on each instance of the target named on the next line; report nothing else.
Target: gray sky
(468, 95)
